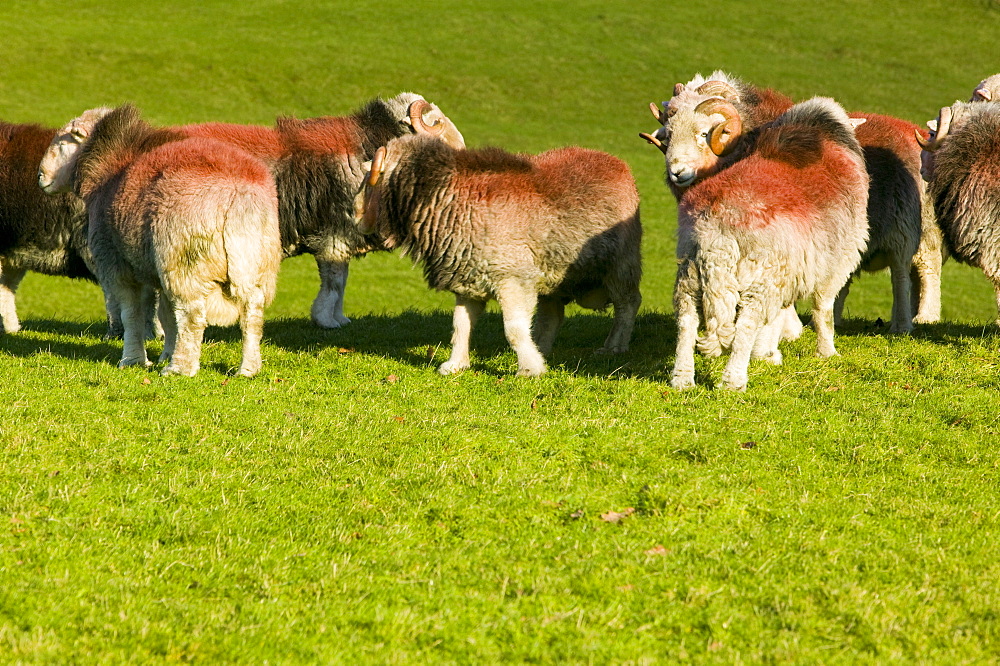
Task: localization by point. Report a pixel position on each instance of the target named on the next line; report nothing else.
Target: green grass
(350, 505)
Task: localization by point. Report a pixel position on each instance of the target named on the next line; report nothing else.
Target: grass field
(350, 505)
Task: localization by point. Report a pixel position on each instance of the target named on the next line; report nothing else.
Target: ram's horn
(678, 89)
(417, 111)
(725, 135)
(926, 144)
(377, 167)
(719, 89)
(656, 112)
(653, 140)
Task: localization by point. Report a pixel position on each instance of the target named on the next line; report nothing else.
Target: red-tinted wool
(772, 104)
(756, 191)
(325, 135)
(261, 142)
(887, 132)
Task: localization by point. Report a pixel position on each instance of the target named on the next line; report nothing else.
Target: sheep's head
(939, 131)
(426, 118)
(56, 171)
(988, 90)
(698, 136)
(686, 95)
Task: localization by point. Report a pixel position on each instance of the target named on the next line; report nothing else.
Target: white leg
(153, 327)
(191, 322)
(328, 308)
(548, 320)
(517, 304)
(926, 273)
(10, 278)
(822, 320)
(626, 303)
(252, 325)
(792, 325)
(749, 325)
(766, 346)
(838, 305)
(168, 319)
(902, 315)
(686, 293)
(467, 311)
(133, 338)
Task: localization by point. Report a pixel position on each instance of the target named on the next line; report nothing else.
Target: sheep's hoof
(681, 381)
(326, 320)
(249, 370)
(452, 368)
(731, 384)
(174, 369)
(133, 362)
(608, 351)
(531, 372)
(774, 357)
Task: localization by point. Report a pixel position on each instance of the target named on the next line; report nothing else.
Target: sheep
(778, 216)
(41, 233)
(526, 230)
(195, 218)
(962, 167)
(902, 236)
(317, 165)
(988, 90)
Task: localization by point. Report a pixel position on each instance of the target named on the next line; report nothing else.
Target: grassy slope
(350, 503)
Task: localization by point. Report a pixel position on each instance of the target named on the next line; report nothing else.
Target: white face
(689, 155)
(55, 173)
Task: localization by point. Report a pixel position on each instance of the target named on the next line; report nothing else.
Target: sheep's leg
(467, 311)
(328, 308)
(626, 303)
(252, 325)
(838, 304)
(10, 278)
(822, 321)
(686, 294)
(191, 322)
(517, 303)
(548, 320)
(791, 328)
(750, 325)
(766, 345)
(168, 318)
(133, 337)
(926, 272)
(902, 315)
(996, 293)
(153, 328)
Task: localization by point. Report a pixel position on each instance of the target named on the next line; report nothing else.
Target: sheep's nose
(681, 176)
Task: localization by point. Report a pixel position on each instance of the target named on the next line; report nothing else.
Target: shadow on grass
(414, 337)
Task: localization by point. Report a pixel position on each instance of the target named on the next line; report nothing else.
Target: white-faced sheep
(962, 166)
(780, 216)
(318, 166)
(902, 235)
(195, 218)
(526, 230)
(44, 234)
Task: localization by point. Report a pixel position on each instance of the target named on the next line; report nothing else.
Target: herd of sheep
(186, 226)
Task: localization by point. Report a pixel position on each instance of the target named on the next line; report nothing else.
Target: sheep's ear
(857, 122)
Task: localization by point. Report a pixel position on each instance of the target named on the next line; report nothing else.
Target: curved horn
(656, 112)
(924, 143)
(678, 89)
(719, 89)
(378, 164)
(654, 141)
(725, 135)
(417, 111)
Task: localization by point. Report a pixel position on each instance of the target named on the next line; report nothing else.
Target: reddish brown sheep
(526, 230)
(195, 218)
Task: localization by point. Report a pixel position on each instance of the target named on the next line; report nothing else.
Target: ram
(526, 230)
(40, 233)
(903, 235)
(318, 166)
(962, 166)
(194, 218)
(780, 215)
